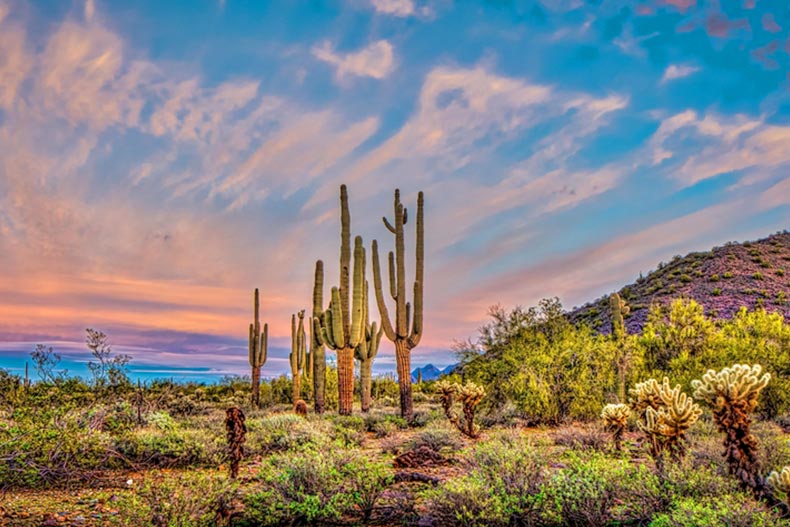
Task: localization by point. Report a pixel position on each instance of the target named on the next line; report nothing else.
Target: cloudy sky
(159, 160)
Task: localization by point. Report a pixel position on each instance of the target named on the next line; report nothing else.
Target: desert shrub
(52, 447)
(716, 291)
(462, 502)
(727, 275)
(715, 278)
(159, 448)
(588, 437)
(284, 431)
(437, 439)
(315, 487)
(732, 510)
(181, 500)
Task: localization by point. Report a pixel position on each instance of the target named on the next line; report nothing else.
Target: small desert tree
(107, 371)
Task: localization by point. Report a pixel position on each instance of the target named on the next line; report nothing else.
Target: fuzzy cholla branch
(665, 414)
(615, 418)
(469, 395)
(741, 383)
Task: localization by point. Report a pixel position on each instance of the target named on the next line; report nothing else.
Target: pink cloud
(681, 5)
(769, 23)
(762, 55)
(718, 25)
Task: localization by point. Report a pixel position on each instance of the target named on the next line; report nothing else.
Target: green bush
(315, 487)
(732, 510)
(181, 500)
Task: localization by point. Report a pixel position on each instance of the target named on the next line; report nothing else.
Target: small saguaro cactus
(340, 326)
(664, 415)
(623, 357)
(732, 395)
(297, 357)
(469, 395)
(407, 331)
(317, 351)
(257, 349)
(366, 351)
(615, 419)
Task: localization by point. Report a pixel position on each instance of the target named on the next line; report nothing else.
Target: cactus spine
(366, 351)
(401, 334)
(622, 355)
(340, 326)
(298, 356)
(317, 352)
(257, 348)
(732, 394)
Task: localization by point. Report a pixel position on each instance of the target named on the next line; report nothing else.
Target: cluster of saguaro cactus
(615, 419)
(298, 356)
(623, 357)
(732, 395)
(257, 349)
(405, 333)
(664, 415)
(340, 327)
(317, 351)
(469, 395)
(366, 351)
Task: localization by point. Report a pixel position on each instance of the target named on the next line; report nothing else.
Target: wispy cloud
(377, 60)
(678, 71)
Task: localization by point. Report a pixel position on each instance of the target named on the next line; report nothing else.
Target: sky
(159, 160)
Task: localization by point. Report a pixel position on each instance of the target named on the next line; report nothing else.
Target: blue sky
(159, 160)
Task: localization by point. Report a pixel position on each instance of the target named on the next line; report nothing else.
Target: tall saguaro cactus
(340, 326)
(298, 356)
(623, 355)
(366, 351)
(406, 333)
(317, 352)
(257, 347)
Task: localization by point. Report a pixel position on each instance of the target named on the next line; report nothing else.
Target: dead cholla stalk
(237, 431)
(732, 394)
(664, 414)
(469, 395)
(615, 418)
(301, 408)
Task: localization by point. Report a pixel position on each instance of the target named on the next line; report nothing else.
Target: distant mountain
(724, 279)
(431, 372)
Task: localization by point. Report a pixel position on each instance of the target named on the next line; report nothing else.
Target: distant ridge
(724, 279)
(431, 372)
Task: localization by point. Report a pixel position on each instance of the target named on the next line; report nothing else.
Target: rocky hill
(749, 274)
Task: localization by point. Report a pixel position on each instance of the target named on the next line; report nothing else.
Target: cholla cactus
(615, 418)
(469, 395)
(664, 415)
(446, 391)
(780, 482)
(733, 394)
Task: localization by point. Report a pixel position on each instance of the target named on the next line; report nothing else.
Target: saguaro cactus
(257, 344)
(623, 355)
(298, 356)
(366, 351)
(340, 326)
(732, 394)
(317, 352)
(405, 334)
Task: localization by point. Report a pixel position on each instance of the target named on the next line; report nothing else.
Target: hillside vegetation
(724, 279)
